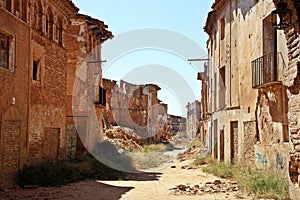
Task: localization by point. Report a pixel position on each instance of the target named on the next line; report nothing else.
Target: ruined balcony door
(10, 150)
(222, 88)
(51, 144)
(269, 49)
(222, 145)
(234, 141)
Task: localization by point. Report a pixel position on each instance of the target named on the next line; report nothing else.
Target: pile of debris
(208, 187)
(190, 153)
(122, 137)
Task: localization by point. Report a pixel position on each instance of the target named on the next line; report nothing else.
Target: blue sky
(180, 23)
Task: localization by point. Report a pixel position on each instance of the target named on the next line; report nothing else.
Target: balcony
(267, 70)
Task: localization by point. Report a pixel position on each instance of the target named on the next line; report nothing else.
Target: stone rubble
(190, 153)
(124, 138)
(207, 187)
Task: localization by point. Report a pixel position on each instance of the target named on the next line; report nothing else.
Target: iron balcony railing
(267, 70)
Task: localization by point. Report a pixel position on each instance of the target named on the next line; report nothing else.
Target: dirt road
(155, 184)
(171, 176)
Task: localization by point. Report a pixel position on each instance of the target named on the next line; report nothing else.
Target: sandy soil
(170, 178)
(154, 184)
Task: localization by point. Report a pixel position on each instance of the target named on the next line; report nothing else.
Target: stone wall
(137, 107)
(292, 81)
(193, 119)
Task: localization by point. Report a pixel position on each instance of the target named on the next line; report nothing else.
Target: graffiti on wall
(261, 158)
(280, 161)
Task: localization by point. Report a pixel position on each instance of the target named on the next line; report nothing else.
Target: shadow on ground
(143, 176)
(83, 190)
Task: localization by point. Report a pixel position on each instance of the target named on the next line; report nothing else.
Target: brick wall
(48, 101)
(14, 99)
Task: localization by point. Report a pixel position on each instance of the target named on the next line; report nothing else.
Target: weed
(155, 147)
(263, 183)
(145, 160)
(196, 143)
(219, 169)
(200, 160)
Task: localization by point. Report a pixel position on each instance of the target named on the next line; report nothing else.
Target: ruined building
(178, 125)
(253, 89)
(36, 62)
(204, 121)
(86, 99)
(33, 83)
(193, 111)
(137, 107)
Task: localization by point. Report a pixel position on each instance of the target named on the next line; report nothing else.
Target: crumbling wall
(292, 81)
(250, 139)
(137, 107)
(271, 148)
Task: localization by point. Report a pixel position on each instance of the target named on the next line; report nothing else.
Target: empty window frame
(7, 48)
(36, 70)
(222, 28)
(102, 96)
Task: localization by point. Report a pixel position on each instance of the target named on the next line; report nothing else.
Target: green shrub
(219, 169)
(55, 174)
(196, 143)
(200, 160)
(155, 147)
(263, 183)
(145, 160)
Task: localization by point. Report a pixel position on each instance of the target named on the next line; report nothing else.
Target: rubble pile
(123, 137)
(190, 153)
(191, 166)
(209, 187)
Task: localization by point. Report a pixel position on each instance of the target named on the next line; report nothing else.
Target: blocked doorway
(222, 145)
(234, 141)
(215, 141)
(51, 144)
(10, 150)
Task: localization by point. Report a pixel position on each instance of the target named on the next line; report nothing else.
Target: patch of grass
(56, 174)
(145, 160)
(219, 169)
(263, 183)
(196, 143)
(200, 160)
(155, 147)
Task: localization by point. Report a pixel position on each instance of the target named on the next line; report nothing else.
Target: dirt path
(156, 184)
(170, 178)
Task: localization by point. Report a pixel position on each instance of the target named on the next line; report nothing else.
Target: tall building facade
(253, 86)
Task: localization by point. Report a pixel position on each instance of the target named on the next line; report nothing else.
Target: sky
(152, 42)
